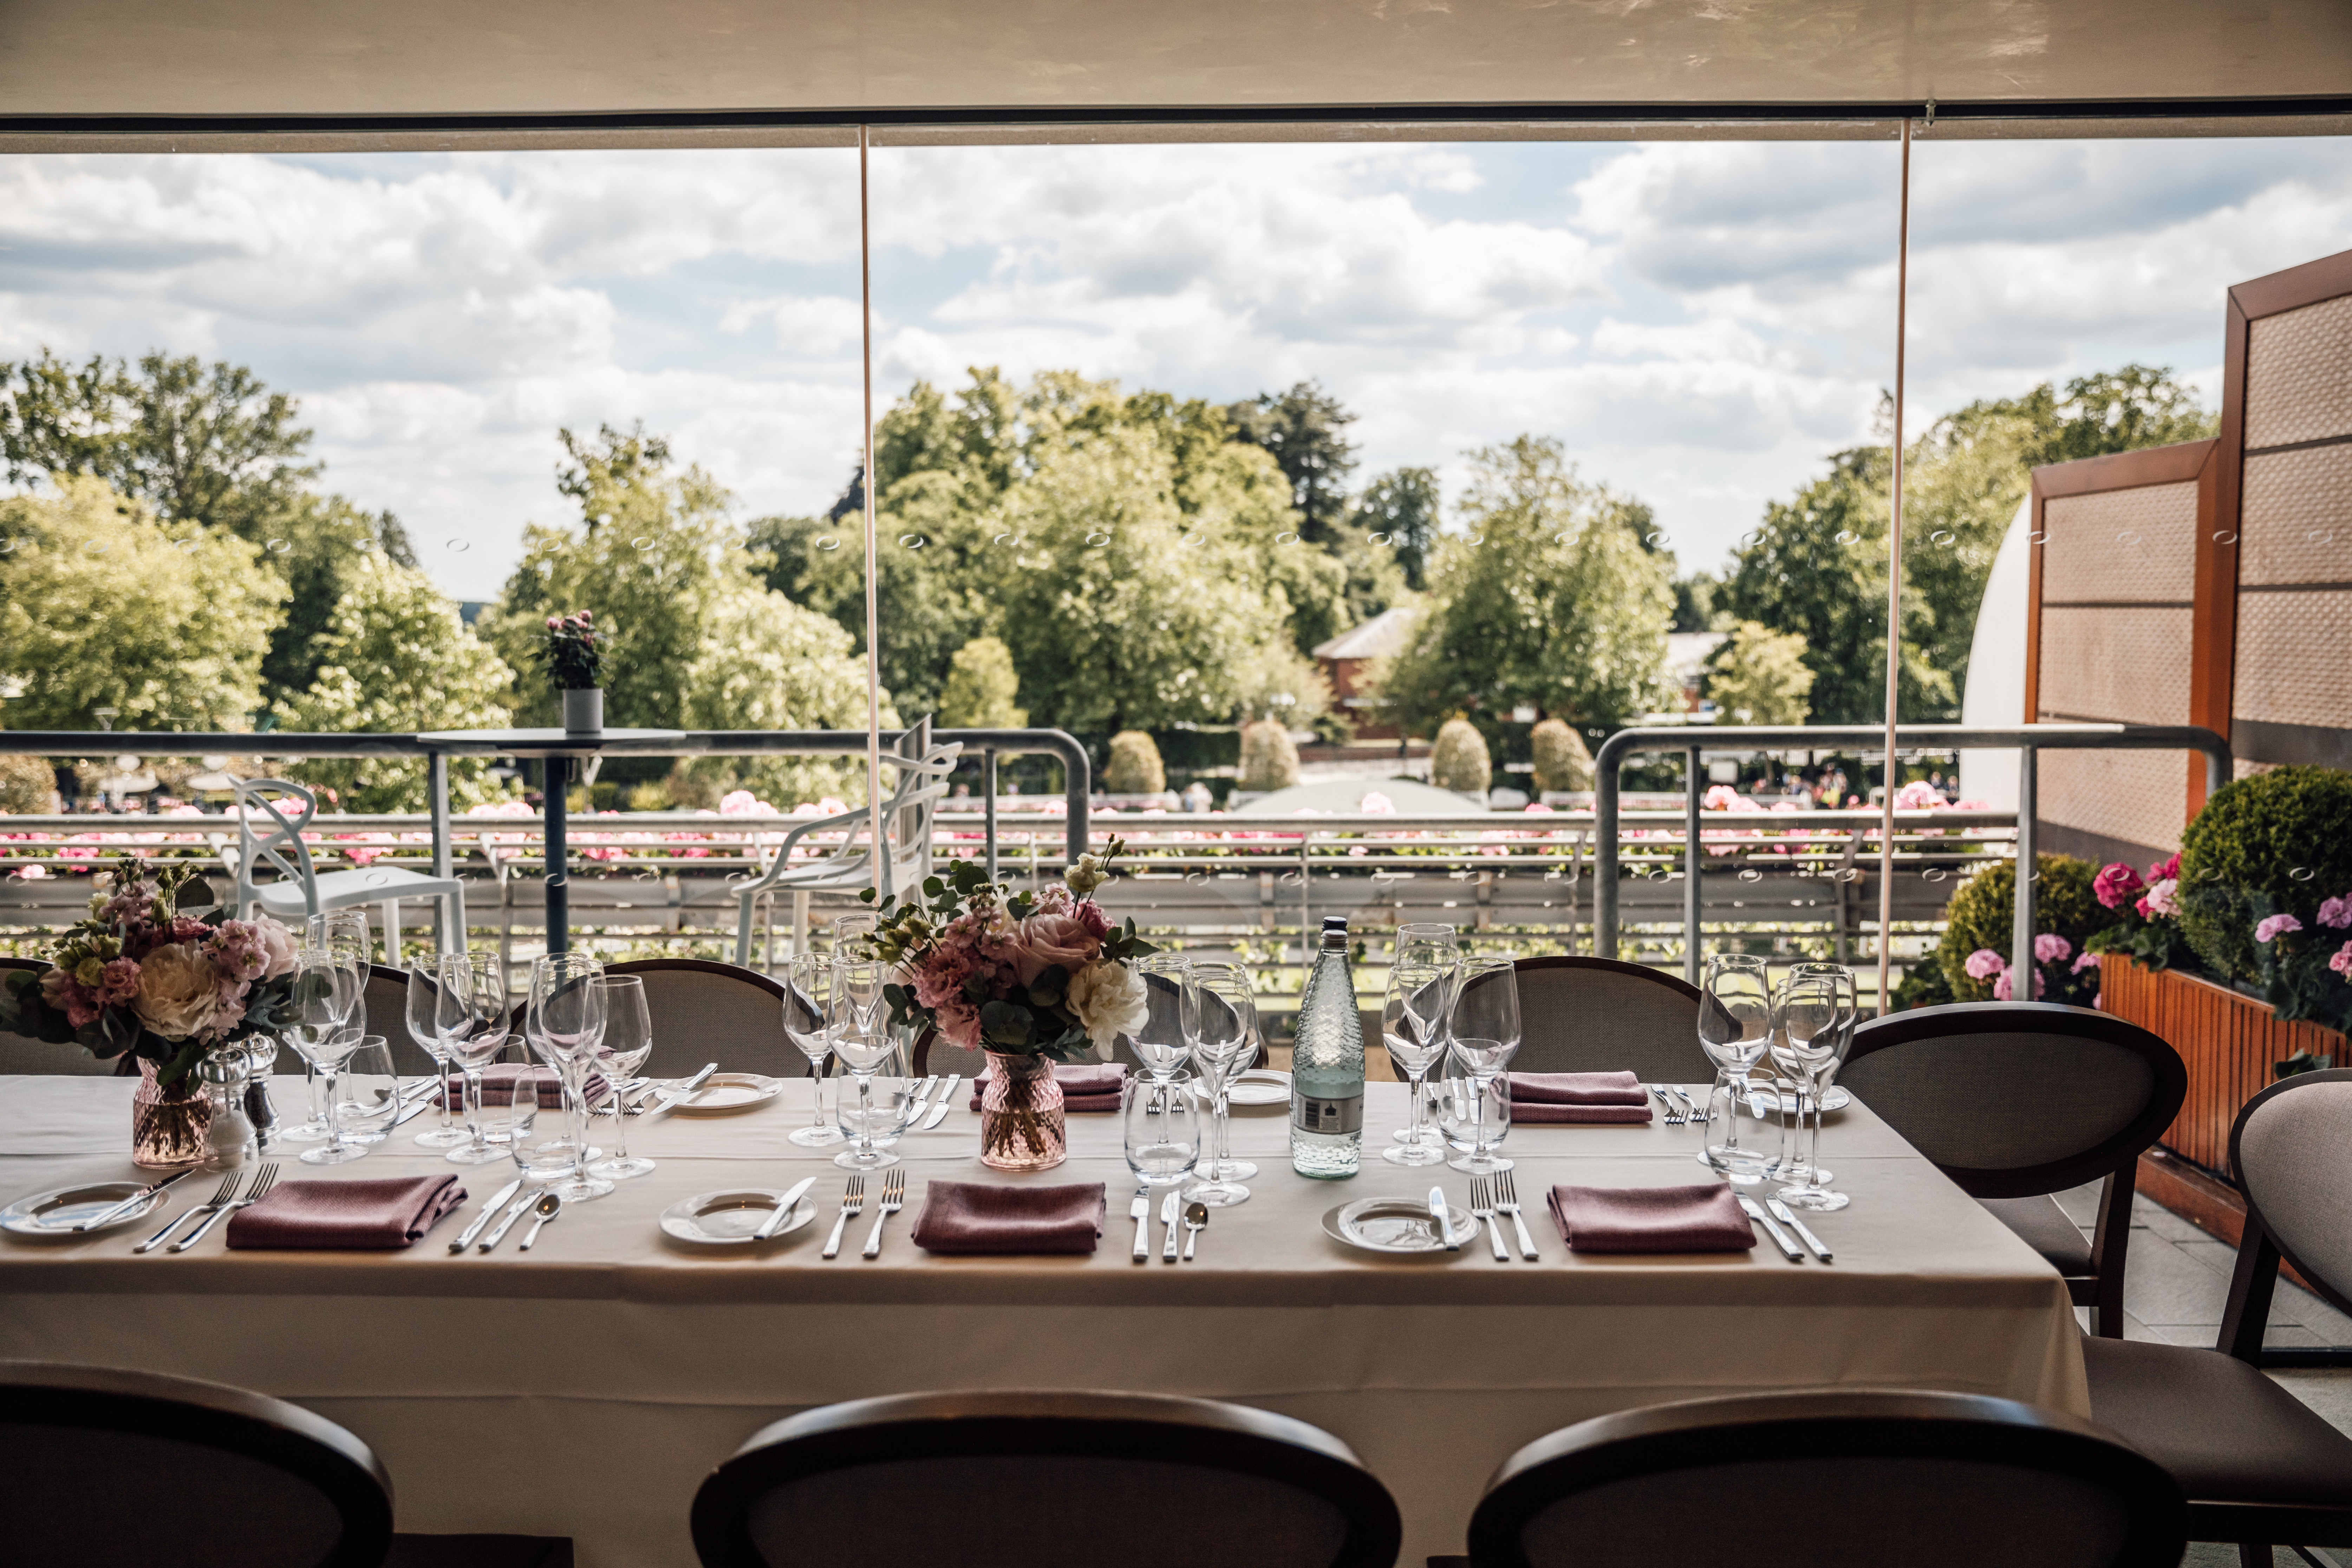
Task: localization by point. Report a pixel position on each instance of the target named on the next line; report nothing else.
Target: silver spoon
(547, 1208)
(1196, 1220)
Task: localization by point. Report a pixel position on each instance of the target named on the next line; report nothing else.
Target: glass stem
(620, 1125)
(865, 1116)
(575, 1112)
(443, 1063)
(334, 1122)
(473, 1108)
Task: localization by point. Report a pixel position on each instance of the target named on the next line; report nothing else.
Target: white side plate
(1399, 1226)
(728, 1218)
(57, 1211)
(724, 1093)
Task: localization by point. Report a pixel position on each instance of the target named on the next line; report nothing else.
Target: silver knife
(465, 1237)
(678, 1096)
(134, 1201)
(915, 1106)
(1755, 1210)
(940, 1109)
(784, 1207)
(1168, 1218)
(515, 1211)
(1780, 1212)
(1139, 1209)
(1443, 1216)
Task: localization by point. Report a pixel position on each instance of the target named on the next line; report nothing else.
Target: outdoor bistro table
(585, 1389)
(549, 745)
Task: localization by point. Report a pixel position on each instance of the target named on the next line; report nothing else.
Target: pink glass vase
(1021, 1126)
(168, 1125)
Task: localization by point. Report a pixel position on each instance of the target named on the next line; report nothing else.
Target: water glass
(1161, 1128)
(565, 1024)
(808, 1002)
(628, 1041)
(367, 1102)
(1475, 1116)
(423, 1003)
(1735, 1029)
(875, 1118)
(1412, 1025)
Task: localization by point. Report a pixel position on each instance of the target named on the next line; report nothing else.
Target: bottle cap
(1336, 923)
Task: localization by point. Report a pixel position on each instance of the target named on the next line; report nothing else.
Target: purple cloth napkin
(1085, 1086)
(1702, 1219)
(1579, 1098)
(504, 1074)
(979, 1217)
(381, 1216)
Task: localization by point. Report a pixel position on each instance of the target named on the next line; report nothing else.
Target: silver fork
(1674, 1117)
(1506, 1195)
(1693, 1115)
(894, 1199)
(227, 1191)
(853, 1199)
(614, 1093)
(262, 1181)
(1482, 1205)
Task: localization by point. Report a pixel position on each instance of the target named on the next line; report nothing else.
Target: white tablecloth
(586, 1387)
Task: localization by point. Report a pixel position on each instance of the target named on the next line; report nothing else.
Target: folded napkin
(1702, 1219)
(504, 1076)
(1085, 1086)
(1585, 1097)
(370, 1215)
(976, 1217)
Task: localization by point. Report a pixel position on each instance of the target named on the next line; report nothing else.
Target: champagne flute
(1735, 1029)
(808, 1003)
(627, 1041)
(1224, 1041)
(424, 1002)
(320, 1001)
(473, 1016)
(565, 1024)
(1482, 1032)
(1412, 1025)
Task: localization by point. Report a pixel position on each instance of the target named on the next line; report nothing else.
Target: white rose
(178, 991)
(1110, 1001)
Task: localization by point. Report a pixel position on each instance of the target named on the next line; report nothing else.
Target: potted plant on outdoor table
(1031, 979)
(575, 662)
(140, 977)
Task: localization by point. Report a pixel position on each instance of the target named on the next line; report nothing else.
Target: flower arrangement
(2305, 972)
(574, 660)
(139, 976)
(1045, 974)
(2148, 915)
(2055, 978)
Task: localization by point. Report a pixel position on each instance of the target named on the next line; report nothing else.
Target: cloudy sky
(1699, 323)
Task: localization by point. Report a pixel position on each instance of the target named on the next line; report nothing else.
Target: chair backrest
(1044, 1480)
(1596, 1014)
(705, 1011)
(248, 1481)
(386, 1001)
(923, 770)
(2288, 1149)
(24, 1054)
(2013, 1099)
(282, 844)
(1926, 1480)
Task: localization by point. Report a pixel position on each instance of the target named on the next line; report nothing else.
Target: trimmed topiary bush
(2285, 836)
(1269, 761)
(1134, 766)
(1458, 761)
(1983, 914)
(1562, 761)
(25, 784)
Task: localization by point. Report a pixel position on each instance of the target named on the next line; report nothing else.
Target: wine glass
(1172, 1010)
(1816, 1012)
(850, 932)
(1482, 1035)
(424, 1002)
(315, 1011)
(367, 1102)
(343, 935)
(808, 999)
(1412, 1025)
(1735, 1029)
(473, 1017)
(863, 1040)
(628, 1041)
(1425, 943)
(1223, 1042)
(564, 1024)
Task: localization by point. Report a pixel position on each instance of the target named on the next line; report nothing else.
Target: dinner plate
(57, 1212)
(1260, 1086)
(724, 1093)
(728, 1218)
(1399, 1226)
(1838, 1099)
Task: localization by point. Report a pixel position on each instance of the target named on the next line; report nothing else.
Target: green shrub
(1269, 761)
(1924, 984)
(1562, 761)
(1134, 767)
(25, 784)
(2284, 835)
(1983, 913)
(1458, 761)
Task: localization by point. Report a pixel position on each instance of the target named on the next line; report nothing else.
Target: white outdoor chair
(923, 771)
(301, 893)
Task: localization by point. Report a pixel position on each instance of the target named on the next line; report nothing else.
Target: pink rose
(2337, 913)
(2116, 885)
(1097, 924)
(118, 982)
(2276, 925)
(1984, 963)
(2052, 948)
(1045, 942)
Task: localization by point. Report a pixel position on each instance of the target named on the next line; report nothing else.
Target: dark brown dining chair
(387, 1014)
(705, 1011)
(1044, 1480)
(249, 1481)
(1836, 1478)
(24, 1054)
(2016, 1100)
(1598, 1015)
(2260, 1468)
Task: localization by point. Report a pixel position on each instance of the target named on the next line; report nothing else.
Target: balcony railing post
(437, 779)
(555, 778)
(988, 788)
(2020, 944)
(1693, 855)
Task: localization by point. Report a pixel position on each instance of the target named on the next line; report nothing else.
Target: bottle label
(1332, 1118)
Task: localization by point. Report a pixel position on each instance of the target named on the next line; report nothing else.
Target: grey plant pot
(583, 712)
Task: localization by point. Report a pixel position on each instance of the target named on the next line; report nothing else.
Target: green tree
(103, 607)
(1759, 677)
(1134, 766)
(1303, 430)
(1549, 599)
(1401, 506)
(982, 690)
(1269, 759)
(1694, 597)
(765, 663)
(396, 656)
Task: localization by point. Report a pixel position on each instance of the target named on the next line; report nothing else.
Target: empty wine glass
(1171, 1008)
(627, 1041)
(367, 1102)
(1816, 1008)
(320, 1002)
(1482, 1036)
(424, 1002)
(342, 934)
(1735, 1029)
(850, 932)
(862, 1038)
(1223, 1043)
(565, 1024)
(1412, 1025)
(808, 1000)
(1426, 943)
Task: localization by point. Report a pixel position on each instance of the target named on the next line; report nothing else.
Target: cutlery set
(223, 1201)
(1492, 1199)
(1193, 1219)
(920, 1118)
(1780, 1215)
(1682, 1111)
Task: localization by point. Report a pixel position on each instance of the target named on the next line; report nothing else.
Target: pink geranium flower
(2002, 991)
(2086, 960)
(2117, 885)
(2052, 948)
(1984, 963)
(2337, 913)
(2342, 961)
(2275, 926)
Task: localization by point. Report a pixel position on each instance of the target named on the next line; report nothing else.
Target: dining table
(585, 1388)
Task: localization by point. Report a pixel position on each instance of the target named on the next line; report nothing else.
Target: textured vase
(168, 1126)
(583, 712)
(1021, 1126)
